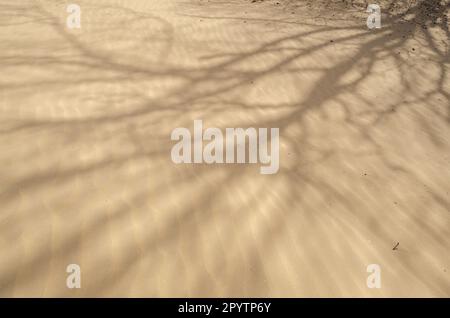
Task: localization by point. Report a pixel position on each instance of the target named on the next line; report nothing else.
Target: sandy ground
(86, 175)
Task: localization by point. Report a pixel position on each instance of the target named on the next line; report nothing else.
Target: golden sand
(86, 175)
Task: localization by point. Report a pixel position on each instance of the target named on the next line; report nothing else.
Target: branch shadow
(86, 137)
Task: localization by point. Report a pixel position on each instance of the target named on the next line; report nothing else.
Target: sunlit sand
(86, 175)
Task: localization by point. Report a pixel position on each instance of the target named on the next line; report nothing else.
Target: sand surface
(86, 175)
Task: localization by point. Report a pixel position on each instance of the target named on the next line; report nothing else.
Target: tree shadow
(88, 115)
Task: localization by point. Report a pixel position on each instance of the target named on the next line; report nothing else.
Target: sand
(86, 175)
